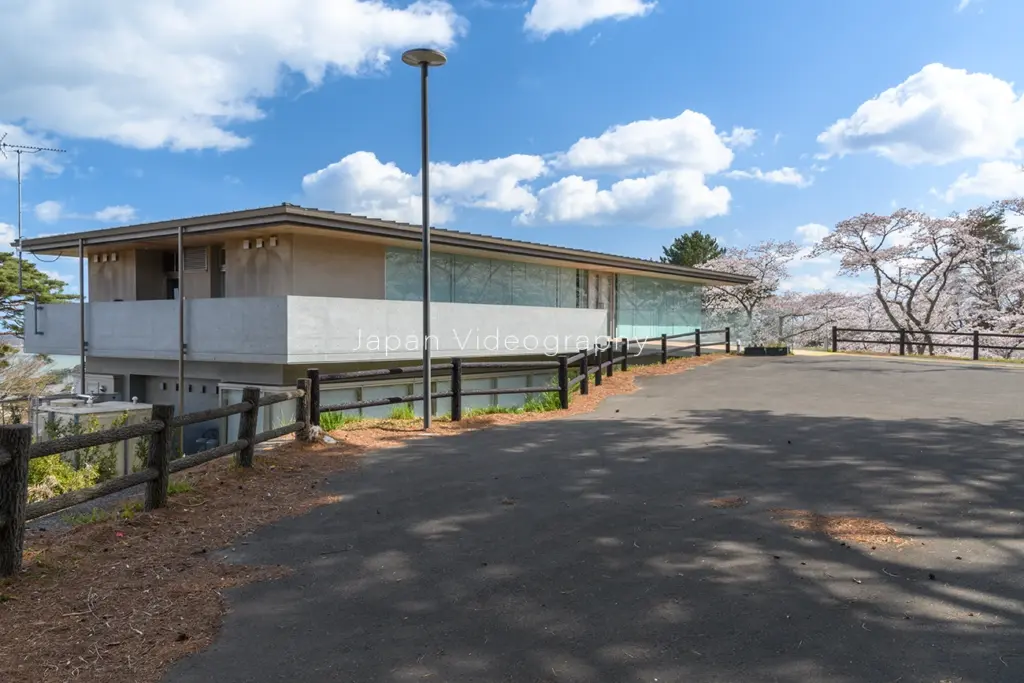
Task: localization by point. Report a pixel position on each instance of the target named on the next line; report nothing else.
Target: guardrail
(907, 339)
(16, 450)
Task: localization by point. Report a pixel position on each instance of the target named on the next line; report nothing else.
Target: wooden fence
(598, 362)
(16, 449)
(925, 339)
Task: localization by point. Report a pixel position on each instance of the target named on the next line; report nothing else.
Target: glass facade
(647, 307)
(471, 280)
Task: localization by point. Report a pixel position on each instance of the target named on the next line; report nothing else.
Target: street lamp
(424, 58)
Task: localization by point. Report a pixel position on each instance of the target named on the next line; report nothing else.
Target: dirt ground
(119, 600)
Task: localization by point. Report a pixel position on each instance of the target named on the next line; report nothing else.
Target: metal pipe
(81, 314)
(181, 321)
(427, 407)
(19, 220)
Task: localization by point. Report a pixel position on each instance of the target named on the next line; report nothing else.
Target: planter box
(766, 351)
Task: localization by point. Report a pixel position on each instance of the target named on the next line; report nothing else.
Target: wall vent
(195, 259)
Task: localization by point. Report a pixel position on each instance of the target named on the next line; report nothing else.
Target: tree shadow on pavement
(585, 550)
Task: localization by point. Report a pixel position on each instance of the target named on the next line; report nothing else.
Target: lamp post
(424, 59)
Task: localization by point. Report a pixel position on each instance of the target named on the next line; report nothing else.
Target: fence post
(247, 426)
(600, 373)
(903, 342)
(611, 357)
(563, 381)
(696, 341)
(835, 339)
(14, 443)
(159, 458)
(977, 344)
(456, 389)
(625, 354)
(664, 349)
(728, 341)
(302, 409)
(314, 396)
(585, 373)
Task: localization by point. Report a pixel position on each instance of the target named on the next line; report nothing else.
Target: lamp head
(421, 55)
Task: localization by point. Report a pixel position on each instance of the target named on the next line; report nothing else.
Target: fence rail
(16, 448)
(908, 339)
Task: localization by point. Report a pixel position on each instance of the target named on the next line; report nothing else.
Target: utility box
(92, 415)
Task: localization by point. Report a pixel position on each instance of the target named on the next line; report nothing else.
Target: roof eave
(273, 216)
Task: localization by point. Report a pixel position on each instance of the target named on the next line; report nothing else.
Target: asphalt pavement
(584, 549)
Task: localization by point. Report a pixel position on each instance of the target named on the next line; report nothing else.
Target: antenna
(19, 150)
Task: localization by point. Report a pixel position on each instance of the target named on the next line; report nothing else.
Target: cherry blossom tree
(912, 259)
(741, 306)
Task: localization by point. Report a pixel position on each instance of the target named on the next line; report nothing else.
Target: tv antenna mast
(19, 150)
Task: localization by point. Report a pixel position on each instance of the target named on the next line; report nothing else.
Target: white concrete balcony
(300, 329)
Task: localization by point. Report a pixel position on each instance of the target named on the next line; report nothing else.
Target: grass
(403, 412)
(492, 410)
(331, 421)
(180, 486)
(127, 511)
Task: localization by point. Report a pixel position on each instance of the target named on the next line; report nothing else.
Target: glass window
(534, 285)
(649, 307)
(403, 276)
(471, 280)
(482, 281)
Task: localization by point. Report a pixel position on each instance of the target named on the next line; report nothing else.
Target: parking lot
(591, 549)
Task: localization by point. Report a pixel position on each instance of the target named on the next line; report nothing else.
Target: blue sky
(749, 120)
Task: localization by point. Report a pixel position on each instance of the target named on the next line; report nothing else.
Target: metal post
(427, 406)
(625, 353)
(903, 342)
(81, 313)
(19, 220)
(728, 341)
(181, 329)
(835, 339)
(977, 345)
(664, 349)
(696, 342)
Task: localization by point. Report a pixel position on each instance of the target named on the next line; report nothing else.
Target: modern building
(271, 292)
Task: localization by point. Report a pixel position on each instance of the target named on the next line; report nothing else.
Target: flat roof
(292, 215)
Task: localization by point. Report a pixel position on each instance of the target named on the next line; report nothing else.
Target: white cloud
(740, 137)
(165, 73)
(52, 211)
(15, 135)
(658, 170)
(8, 233)
(811, 233)
(782, 176)
(687, 141)
(992, 180)
(121, 213)
(362, 184)
(962, 5)
(936, 116)
(551, 16)
(49, 211)
(668, 199)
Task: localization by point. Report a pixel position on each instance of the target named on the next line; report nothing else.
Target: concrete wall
(250, 330)
(112, 280)
(280, 330)
(326, 265)
(343, 330)
(259, 272)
